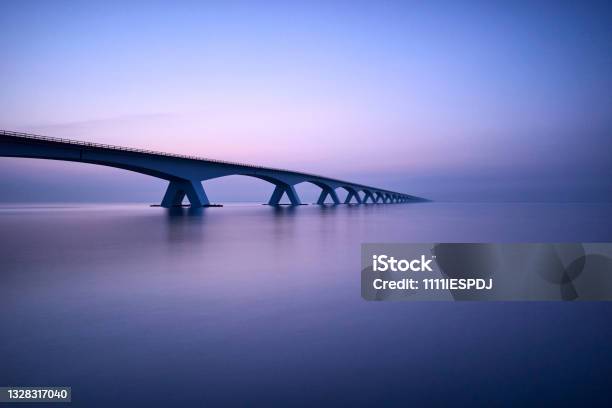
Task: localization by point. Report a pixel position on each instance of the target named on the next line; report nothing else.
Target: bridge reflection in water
(186, 173)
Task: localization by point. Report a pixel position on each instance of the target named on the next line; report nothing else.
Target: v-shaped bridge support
(178, 189)
(281, 189)
(368, 195)
(352, 193)
(325, 191)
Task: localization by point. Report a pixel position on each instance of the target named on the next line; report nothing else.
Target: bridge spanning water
(186, 173)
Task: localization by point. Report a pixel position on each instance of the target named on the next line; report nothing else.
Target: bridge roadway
(185, 173)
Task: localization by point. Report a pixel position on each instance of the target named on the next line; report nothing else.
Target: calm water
(256, 306)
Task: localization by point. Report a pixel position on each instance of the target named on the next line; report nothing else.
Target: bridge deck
(186, 172)
(30, 136)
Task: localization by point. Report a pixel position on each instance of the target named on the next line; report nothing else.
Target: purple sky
(469, 101)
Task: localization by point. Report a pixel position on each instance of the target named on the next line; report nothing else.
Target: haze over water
(254, 305)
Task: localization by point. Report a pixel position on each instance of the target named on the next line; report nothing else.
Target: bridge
(186, 173)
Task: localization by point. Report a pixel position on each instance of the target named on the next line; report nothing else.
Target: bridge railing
(32, 136)
(129, 149)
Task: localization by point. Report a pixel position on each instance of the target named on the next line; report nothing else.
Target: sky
(458, 101)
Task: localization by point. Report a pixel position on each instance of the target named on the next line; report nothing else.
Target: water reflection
(185, 224)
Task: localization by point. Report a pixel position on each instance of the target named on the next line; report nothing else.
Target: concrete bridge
(185, 173)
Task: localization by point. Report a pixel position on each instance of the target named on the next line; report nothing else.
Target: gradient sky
(448, 100)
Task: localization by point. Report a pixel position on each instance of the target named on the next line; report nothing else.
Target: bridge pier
(352, 193)
(178, 189)
(325, 191)
(368, 194)
(281, 189)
